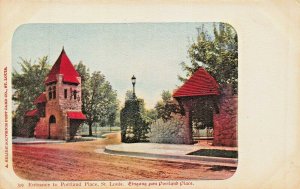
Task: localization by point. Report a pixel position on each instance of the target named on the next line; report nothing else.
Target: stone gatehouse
(58, 109)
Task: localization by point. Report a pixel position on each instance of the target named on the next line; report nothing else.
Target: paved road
(78, 161)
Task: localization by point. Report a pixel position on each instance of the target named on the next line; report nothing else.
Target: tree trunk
(90, 129)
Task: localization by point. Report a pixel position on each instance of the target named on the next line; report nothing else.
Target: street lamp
(133, 80)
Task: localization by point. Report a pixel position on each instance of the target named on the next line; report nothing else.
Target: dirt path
(78, 161)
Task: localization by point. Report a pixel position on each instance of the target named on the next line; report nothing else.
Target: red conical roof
(63, 66)
(201, 83)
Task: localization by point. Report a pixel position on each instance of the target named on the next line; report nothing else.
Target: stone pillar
(67, 128)
(188, 139)
(187, 105)
(225, 122)
(49, 131)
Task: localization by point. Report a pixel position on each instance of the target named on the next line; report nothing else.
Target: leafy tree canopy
(166, 106)
(27, 86)
(166, 96)
(129, 95)
(99, 100)
(218, 54)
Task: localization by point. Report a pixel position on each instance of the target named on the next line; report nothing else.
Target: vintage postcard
(113, 95)
(118, 108)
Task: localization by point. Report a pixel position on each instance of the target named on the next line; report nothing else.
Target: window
(50, 93)
(75, 94)
(52, 119)
(66, 93)
(54, 92)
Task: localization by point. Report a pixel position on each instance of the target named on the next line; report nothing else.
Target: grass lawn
(97, 131)
(215, 153)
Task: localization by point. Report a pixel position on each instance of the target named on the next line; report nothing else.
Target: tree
(27, 86)
(166, 106)
(99, 100)
(166, 96)
(151, 114)
(217, 53)
(128, 95)
(84, 73)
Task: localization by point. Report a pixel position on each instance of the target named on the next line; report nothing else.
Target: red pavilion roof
(201, 83)
(76, 115)
(31, 113)
(63, 66)
(40, 99)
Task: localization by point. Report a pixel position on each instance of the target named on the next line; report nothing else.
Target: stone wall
(57, 130)
(41, 129)
(68, 103)
(59, 107)
(225, 122)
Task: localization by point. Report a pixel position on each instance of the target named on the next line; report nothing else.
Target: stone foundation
(225, 122)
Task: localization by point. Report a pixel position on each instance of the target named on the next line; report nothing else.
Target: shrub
(169, 131)
(134, 125)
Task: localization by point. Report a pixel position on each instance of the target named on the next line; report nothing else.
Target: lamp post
(133, 80)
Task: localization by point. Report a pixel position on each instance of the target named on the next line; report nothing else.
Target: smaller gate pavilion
(219, 107)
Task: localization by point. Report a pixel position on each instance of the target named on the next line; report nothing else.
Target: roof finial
(63, 48)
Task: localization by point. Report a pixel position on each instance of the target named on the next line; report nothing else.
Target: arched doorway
(198, 96)
(52, 120)
(202, 112)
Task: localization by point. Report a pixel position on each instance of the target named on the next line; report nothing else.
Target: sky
(150, 51)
